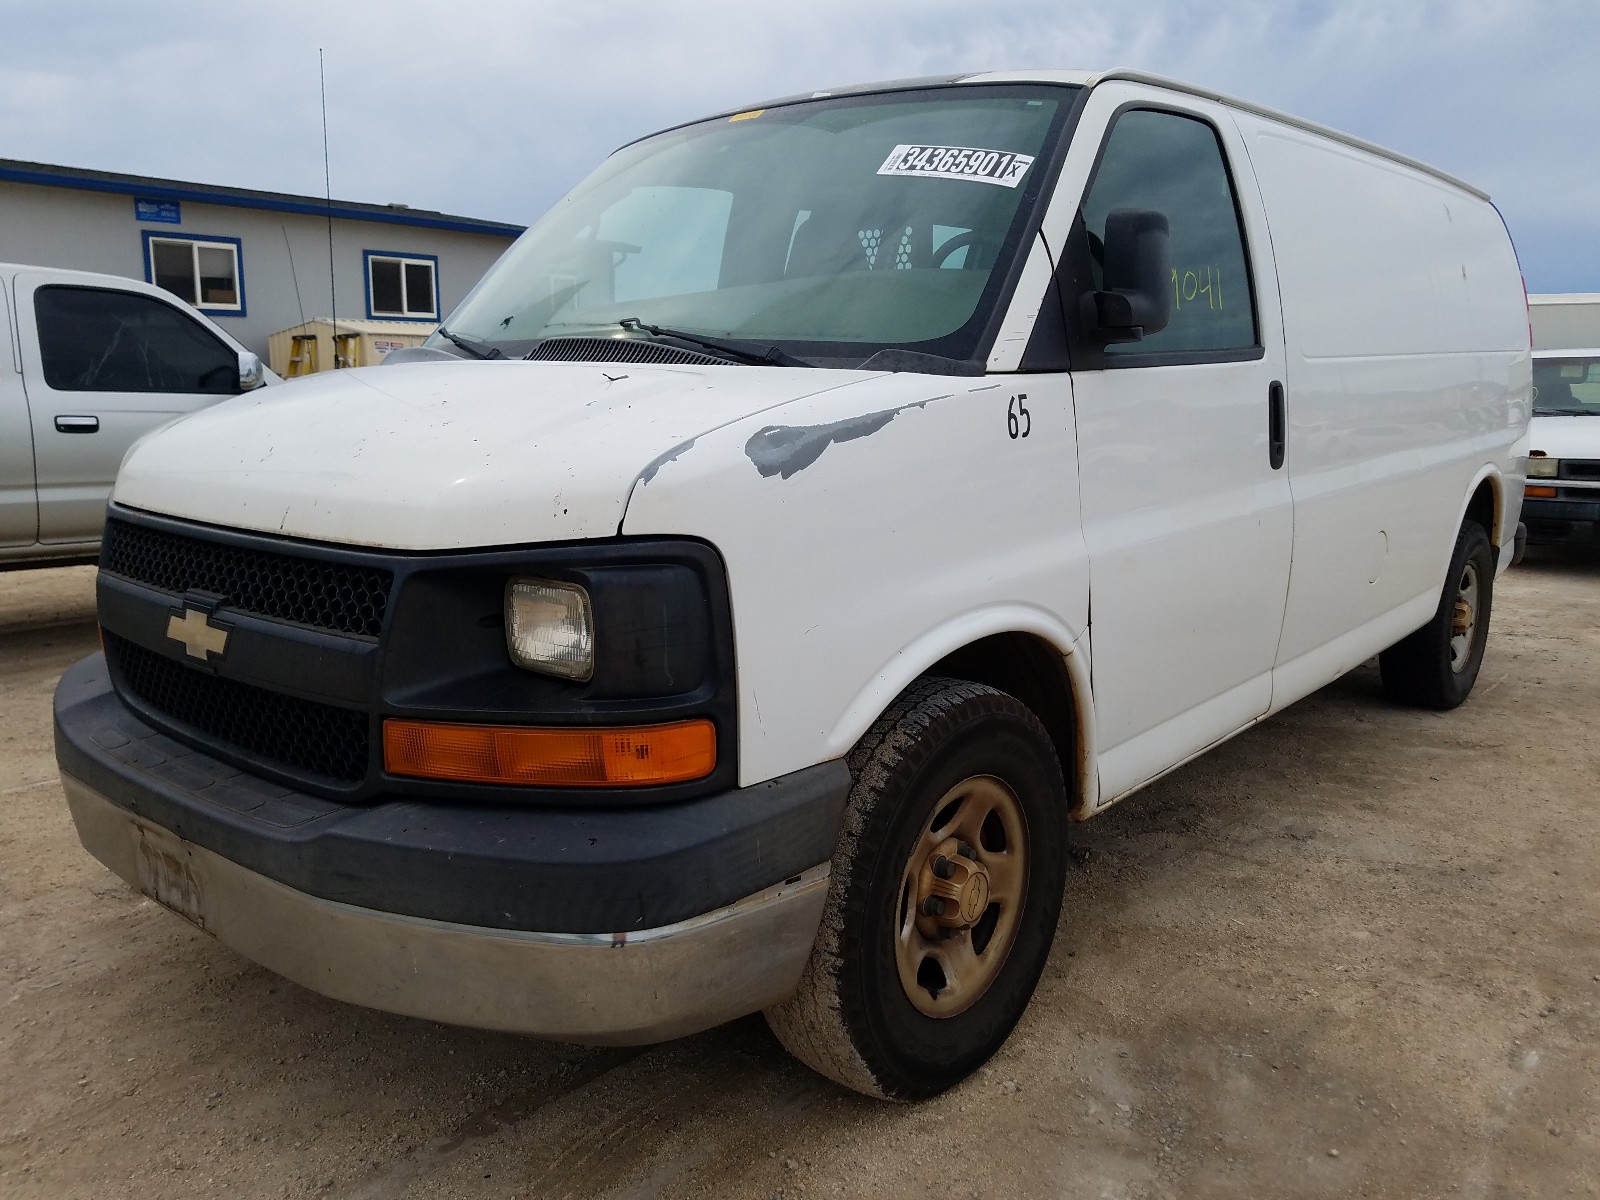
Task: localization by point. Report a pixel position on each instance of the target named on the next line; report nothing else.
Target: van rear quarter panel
(920, 526)
(1407, 382)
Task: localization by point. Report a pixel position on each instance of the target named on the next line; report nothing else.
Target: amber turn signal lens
(1540, 493)
(629, 757)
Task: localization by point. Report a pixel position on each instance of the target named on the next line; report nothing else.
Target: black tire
(1423, 670)
(852, 1019)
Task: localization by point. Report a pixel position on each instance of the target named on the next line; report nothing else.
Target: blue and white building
(256, 262)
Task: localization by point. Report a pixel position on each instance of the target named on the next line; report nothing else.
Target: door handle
(1277, 425)
(77, 424)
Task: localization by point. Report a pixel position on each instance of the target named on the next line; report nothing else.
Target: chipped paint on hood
(789, 449)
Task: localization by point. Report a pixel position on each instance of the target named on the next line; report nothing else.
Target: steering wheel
(960, 242)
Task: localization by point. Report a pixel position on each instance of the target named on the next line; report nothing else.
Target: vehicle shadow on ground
(1567, 561)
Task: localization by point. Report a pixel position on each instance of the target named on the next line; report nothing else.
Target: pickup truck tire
(945, 891)
(1436, 666)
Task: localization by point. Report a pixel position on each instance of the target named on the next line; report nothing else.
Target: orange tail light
(617, 757)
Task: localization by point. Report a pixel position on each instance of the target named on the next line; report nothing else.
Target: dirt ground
(1353, 952)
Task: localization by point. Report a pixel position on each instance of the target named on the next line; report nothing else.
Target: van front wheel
(1437, 665)
(946, 888)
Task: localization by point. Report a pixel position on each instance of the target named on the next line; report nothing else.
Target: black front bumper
(557, 870)
(1562, 522)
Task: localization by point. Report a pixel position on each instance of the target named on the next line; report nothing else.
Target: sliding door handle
(1277, 425)
(77, 424)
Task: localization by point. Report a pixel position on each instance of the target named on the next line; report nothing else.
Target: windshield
(832, 228)
(1566, 386)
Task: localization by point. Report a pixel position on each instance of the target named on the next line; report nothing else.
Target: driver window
(102, 340)
(1174, 164)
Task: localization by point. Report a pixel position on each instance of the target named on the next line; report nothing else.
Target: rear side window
(1174, 164)
(102, 340)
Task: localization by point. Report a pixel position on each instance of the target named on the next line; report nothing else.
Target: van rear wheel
(945, 893)
(1436, 666)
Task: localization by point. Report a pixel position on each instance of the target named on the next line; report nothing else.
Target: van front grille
(299, 735)
(1580, 468)
(289, 587)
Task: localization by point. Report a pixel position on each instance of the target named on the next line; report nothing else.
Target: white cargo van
(1562, 504)
(88, 364)
(818, 507)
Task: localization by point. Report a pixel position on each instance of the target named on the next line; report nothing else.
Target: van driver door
(1187, 514)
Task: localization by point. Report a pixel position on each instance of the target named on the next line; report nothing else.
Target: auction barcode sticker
(958, 162)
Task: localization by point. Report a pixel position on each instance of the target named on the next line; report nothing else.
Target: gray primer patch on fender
(787, 450)
(662, 460)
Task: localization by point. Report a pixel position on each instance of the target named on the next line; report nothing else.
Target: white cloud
(494, 107)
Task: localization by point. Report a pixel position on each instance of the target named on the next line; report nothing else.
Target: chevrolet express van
(730, 606)
(1562, 503)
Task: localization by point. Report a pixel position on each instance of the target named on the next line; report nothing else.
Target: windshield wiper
(750, 352)
(1566, 412)
(472, 346)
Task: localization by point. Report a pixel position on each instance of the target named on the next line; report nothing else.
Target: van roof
(1089, 79)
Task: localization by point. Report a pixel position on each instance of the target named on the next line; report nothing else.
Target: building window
(402, 287)
(203, 271)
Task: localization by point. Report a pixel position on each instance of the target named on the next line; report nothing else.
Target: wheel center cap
(953, 891)
(1461, 620)
(974, 897)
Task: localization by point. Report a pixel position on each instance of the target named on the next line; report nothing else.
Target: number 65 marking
(1019, 421)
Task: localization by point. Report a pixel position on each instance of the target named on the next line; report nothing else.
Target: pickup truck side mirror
(1137, 299)
(251, 373)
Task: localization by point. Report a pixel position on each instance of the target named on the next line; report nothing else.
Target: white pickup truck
(88, 364)
(815, 511)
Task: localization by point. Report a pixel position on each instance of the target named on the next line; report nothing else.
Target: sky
(495, 108)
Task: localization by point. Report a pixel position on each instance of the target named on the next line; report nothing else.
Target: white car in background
(89, 364)
(1562, 502)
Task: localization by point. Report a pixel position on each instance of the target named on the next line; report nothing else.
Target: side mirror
(251, 373)
(1138, 278)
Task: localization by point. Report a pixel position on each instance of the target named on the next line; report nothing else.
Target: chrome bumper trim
(627, 988)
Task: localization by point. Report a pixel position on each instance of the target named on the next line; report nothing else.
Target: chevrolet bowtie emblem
(200, 638)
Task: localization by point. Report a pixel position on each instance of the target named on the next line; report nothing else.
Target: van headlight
(550, 628)
(1543, 468)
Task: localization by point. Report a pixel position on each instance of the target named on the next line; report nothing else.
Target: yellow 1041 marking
(1189, 286)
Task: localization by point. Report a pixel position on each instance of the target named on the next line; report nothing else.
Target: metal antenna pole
(327, 184)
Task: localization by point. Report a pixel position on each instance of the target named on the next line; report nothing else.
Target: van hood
(1565, 437)
(433, 456)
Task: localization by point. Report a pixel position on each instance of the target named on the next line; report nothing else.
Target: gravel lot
(1352, 952)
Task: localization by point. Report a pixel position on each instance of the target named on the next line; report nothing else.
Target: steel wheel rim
(1464, 618)
(946, 962)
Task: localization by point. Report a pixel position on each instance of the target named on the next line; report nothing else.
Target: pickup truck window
(832, 228)
(1174, 164)
(102, 340)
